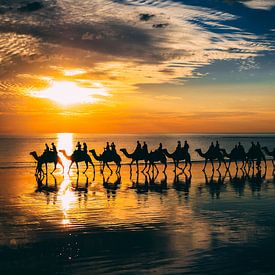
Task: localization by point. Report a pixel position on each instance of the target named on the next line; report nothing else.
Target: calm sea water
(221, 223)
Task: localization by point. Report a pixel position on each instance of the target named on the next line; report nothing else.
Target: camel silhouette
(136, 157)
(45, 158)
(152, 158)
(76, 157)
(255, 155)
(106, 157)
(211, 156)
(156, 156)
(270, 154)
(177, 157)
(234, 156)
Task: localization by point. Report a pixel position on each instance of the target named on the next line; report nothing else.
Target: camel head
(33, 153)
(198, 150)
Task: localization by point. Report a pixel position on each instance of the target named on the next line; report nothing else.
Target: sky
(137, 66)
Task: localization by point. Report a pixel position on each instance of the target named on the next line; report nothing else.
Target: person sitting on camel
(54, 150)
(113, 148)
(145, 148)
(85, 148)
(138, 148)
(185, 147)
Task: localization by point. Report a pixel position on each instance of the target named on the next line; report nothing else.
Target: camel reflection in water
(46, 187)
(215, 185)
(111, 187)
(182, 183)
(238, 181)
(152, 181)
(81, 188)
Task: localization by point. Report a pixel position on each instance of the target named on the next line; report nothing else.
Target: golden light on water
(65, 193)
(65, 142)
(70, 93)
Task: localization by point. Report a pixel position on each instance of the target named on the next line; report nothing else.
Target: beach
(136, 223)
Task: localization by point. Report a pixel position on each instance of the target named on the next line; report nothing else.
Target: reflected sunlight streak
(65, 194)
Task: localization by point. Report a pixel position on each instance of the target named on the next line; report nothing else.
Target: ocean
(173, 222)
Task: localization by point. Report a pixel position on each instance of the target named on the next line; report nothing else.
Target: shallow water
(163, 223)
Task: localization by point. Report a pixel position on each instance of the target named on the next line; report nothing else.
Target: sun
(69, 93)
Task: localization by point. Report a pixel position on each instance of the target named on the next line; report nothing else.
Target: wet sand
(159, 223)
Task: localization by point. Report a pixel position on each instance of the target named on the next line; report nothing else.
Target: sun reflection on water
(66, 195)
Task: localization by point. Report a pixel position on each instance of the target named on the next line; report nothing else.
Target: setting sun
(68, 93)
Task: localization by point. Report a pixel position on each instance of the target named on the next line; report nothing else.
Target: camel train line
(254, 156)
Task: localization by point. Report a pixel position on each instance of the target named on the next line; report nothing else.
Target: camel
(156, 156)
(211, 156)
(152, 157)
(177, 157)
(255, 155)
(136, 157)
(106, 157)
(270, 153)
(76, 157)
(234, 156)
(45, 158)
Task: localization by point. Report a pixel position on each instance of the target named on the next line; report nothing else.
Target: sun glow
(69, 93)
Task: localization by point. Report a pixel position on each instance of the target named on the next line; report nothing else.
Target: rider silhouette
(54, 148)
(160, 148)
(47, 149)
(78, 146)
(107, 148)
(85, 147)
(178, 148)
(145, 147)
(138, 148)
(211, 148)
(185, 147)
(217, 148)
(241, 148)
(113, 147)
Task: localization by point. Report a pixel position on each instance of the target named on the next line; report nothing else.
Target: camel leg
(229, 164)
(46, 167)
(145, 165)
(149, 167)
(186, 162)
(212, 162)
(154, 165)
(205, 163)
(109, 167)
(165, 166)
(54, 167)
(102, 170)
(175, 165)
(225, 164)
(219, 166)
(70, 167)
(190, 165)
(236, 163)
(76, 163)
(131, 165)
(86, 162)
(137, 165)
(62, 166)
(92, 165)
